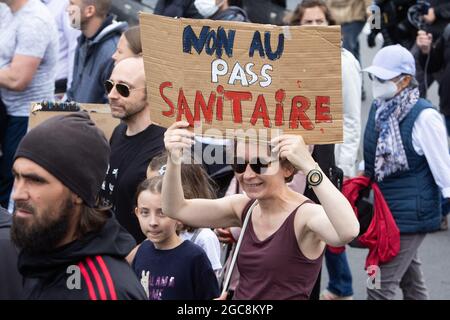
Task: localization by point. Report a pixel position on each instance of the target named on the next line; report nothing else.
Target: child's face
(157, 227)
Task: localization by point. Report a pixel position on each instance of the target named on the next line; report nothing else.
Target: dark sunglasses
(372, 78)
(240, 165)
(122, 88)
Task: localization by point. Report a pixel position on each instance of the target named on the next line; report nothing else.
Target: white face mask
(385, 90)
(207, 7)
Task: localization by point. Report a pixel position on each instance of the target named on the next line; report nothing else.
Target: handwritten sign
(232, 75)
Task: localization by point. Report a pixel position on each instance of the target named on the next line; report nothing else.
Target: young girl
(169, 268)
(196, 184)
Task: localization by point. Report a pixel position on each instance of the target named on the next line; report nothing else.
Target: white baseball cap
(392, 61)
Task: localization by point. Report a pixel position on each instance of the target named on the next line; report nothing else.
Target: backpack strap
(195, 235)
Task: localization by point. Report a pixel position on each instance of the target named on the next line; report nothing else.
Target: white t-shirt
(208, 241)
(31, 31)
(5, 15)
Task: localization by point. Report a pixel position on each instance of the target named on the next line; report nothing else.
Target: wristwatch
(314, 177)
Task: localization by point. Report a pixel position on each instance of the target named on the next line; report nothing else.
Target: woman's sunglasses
(122, 88)
(240, 165)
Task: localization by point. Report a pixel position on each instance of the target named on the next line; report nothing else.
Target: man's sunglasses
(122, 88)
(240, 165)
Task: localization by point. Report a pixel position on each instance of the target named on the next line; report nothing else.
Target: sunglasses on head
(240, 165)
(122, 88)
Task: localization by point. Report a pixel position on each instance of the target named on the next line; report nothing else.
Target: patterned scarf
(390, 154)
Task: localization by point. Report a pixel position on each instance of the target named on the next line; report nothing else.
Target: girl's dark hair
(133, 36)
(299, 12)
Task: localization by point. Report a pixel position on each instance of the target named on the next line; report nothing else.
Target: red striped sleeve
(86, 277)
(97, 278)
(107, 275)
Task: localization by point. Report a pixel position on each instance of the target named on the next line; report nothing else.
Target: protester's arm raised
(334, 221)
(223, 212)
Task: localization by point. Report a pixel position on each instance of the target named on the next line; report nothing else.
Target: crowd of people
(127, 219)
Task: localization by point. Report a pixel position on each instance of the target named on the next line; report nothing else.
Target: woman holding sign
(285, 233)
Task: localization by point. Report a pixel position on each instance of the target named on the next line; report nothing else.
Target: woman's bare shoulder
(238, 203)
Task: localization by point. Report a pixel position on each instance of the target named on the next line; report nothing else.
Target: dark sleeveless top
(275, 269)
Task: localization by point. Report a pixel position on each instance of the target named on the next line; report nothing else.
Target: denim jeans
(350, 34)
(16, 128)
(340, 277)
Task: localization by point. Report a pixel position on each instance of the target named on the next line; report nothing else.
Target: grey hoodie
(10, 279)
(93, 63)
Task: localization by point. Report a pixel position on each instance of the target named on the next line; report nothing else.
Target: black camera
(423, 7)
(416, 13)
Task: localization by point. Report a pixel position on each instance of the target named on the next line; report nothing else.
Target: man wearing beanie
(10, 279)
(134, 142)
(69, 248)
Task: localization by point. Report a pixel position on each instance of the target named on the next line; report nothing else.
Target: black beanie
(72, 149)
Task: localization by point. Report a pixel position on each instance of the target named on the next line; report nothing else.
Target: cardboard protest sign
(99, 113)
(243, 75)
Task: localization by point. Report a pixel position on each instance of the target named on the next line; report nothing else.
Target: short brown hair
(285, 163)
(133, 36)
(102, 7)
(299, 12)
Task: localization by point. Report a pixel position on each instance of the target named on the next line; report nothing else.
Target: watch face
(315, 177)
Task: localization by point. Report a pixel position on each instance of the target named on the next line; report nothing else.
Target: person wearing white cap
(405, 152)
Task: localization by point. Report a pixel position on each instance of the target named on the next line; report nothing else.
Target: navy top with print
(182, 273)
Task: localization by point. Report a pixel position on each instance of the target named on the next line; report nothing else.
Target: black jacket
(93, 63)
(10, 279)
(323, 154)
(231, 14)
(177, 8)
(440, 60)
(92, 268)
(442, 12)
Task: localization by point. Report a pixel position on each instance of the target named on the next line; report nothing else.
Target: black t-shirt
(182, 273)
(130, 156)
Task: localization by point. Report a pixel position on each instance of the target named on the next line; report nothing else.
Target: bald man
(134, 142)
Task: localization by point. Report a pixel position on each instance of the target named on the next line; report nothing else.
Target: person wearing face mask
(67, 39)
(405, 152)
(177, 8)
(221, 10)
(99, 37)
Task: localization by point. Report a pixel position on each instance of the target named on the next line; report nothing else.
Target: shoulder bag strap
(238, 245)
